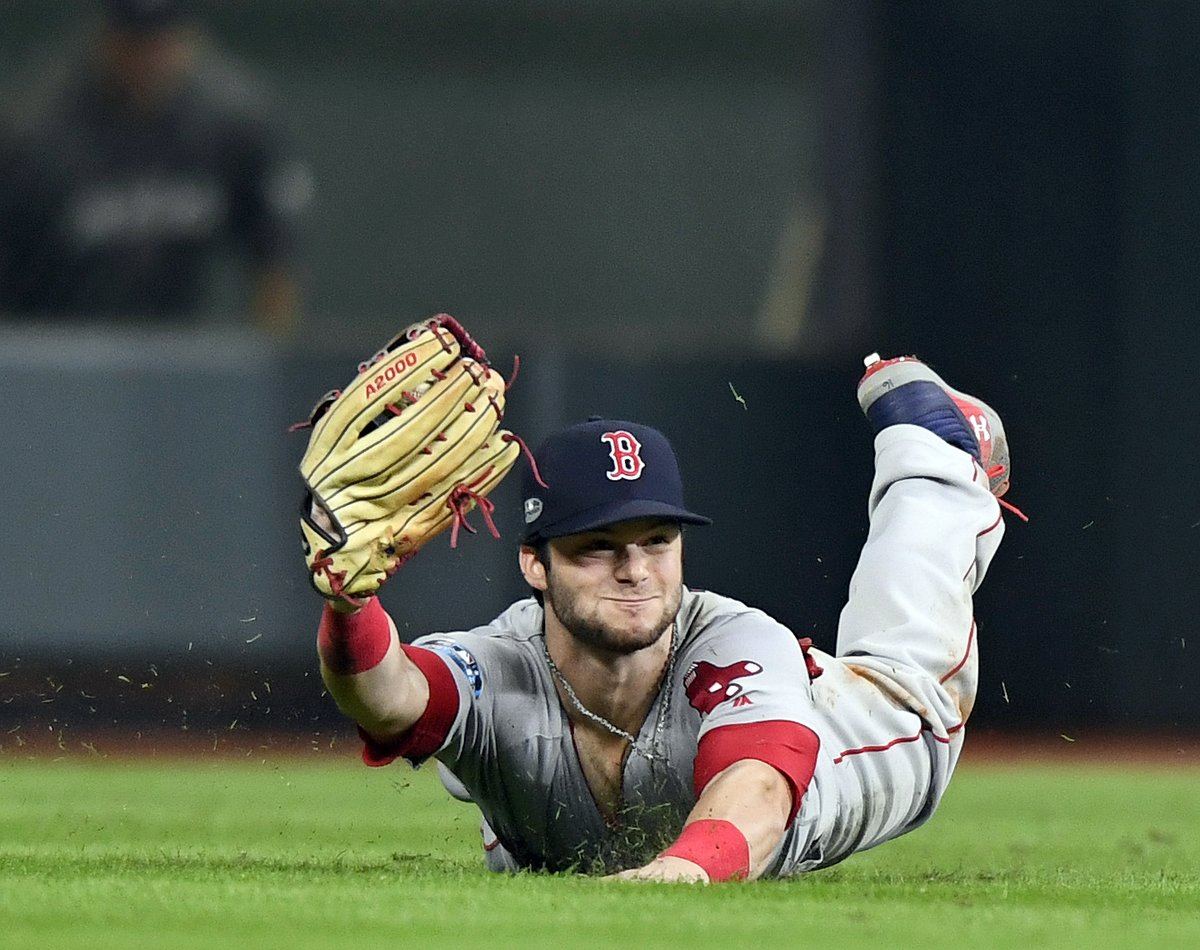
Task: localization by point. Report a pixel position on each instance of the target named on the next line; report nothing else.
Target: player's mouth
(631, 602)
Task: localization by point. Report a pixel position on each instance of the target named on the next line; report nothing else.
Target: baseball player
(618, 722)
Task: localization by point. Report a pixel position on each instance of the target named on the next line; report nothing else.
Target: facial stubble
(599, 635)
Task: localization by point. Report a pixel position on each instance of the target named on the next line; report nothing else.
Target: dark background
(628, 197)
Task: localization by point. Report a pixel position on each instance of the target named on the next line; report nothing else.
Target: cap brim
(613, 513)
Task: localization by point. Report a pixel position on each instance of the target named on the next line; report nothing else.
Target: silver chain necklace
(654, 753)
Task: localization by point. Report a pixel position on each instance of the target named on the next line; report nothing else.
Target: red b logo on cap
(625, 452)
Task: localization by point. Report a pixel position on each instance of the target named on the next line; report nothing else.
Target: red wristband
(354, 643)
(717, 846)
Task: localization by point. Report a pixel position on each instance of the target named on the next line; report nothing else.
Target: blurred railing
(150, 502)
(152, 497)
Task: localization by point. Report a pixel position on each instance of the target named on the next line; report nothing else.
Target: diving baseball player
(618, 722)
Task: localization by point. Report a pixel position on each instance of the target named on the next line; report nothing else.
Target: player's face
(618, 588)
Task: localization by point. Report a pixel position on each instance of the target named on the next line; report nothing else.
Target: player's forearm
(756, 799)
(367, 673)
(734, 828)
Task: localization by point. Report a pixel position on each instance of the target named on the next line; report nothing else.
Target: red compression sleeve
(354, 643)
(717, 846)
(788, 747)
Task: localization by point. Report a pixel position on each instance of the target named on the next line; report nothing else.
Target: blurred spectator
(148, 164)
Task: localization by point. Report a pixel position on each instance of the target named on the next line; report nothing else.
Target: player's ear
(532, 567)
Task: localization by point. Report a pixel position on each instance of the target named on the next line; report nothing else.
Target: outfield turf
(294, 854)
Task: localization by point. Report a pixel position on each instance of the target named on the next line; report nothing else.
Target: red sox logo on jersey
(708, 686)
(626, 454)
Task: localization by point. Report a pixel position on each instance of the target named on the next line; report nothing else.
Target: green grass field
(290, 854)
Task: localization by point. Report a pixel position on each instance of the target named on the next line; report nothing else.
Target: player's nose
(633, 566)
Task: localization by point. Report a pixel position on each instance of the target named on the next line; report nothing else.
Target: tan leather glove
(404, 452)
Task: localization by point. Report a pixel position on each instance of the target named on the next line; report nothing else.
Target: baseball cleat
(905, 391)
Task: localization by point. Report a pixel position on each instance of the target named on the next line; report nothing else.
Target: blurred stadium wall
(695, 214)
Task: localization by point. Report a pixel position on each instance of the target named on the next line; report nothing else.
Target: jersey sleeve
(465, 671)
(747, 679)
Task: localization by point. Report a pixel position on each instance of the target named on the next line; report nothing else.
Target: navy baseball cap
(600, 472)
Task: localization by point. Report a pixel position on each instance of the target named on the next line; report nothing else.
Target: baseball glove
(404, 452)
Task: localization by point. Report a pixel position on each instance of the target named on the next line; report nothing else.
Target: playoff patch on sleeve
(461, 657)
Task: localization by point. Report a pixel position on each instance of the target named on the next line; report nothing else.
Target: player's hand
(672, 869)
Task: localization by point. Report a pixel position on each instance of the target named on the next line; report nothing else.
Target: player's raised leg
(903, 682)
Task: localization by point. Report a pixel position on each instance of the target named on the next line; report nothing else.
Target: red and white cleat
(904, 391)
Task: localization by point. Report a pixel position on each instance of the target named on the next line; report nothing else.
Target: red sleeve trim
(786, 746)
(354, 643)
(427, 734)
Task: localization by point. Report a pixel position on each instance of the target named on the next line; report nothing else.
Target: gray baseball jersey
(511, 745)
(867, 739)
